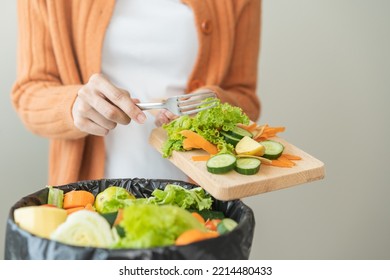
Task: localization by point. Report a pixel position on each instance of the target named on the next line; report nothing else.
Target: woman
(83, 65)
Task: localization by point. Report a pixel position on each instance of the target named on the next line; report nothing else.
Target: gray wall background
(324, 74)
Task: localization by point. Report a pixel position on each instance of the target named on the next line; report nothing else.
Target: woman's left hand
(164, 116)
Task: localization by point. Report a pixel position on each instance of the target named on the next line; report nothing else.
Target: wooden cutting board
(233, 185)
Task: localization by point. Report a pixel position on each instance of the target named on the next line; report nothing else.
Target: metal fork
(186, 104)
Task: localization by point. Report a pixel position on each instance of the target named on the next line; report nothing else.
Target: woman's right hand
(100, 106)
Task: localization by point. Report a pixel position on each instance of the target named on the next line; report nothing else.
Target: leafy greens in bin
(234, 245)
(195, 199)
(192, 199)
(206, 123)
(147, 226)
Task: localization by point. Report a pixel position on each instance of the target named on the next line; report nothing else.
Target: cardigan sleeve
(240, 85)
(42, 98)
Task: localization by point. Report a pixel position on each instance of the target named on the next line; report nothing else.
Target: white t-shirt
(149, 49)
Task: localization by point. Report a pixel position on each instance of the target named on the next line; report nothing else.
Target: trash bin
(20, 244)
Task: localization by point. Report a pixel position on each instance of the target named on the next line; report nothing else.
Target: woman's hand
(164, 116)
(100, 106)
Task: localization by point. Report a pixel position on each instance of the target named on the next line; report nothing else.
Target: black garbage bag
(20, 244)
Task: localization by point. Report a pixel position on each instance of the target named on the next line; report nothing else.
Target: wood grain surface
(233, 185)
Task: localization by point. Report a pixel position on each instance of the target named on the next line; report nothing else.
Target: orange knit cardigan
(59, 48)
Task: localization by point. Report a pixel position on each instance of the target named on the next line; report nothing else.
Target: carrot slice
(89, 207)
(188, 144)
(279, 163)
(119, 217)
(291, 157)
(261, 138)
(198, 217)
(286, 160)
(194, 235)
(268, 131)
(249, 127)
(259, 131)
(200, 141)
(78, 198)
(274, 130)
(200, 157)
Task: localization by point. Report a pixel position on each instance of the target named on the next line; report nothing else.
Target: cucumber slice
(221, 163)
(120, 231)
(110, 217)
(238, 132)
(230, 138)
(55, 197)
(248, 166)
(273, 149)
(226, 225)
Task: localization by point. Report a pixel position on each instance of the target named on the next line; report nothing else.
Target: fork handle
(150, 106)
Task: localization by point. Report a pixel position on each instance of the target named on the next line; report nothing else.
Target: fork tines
(191, 97)
(190, 103)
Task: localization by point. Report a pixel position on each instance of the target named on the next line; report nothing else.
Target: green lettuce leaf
(175, 139)
(191, 199)
(149, 225)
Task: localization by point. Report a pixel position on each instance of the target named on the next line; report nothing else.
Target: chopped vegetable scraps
(207, 124)
(265, 132)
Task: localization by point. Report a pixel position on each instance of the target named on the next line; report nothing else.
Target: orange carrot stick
(249, 127)
(200, 157)
(286, 160)
(279, 163)
(274, 130)
(259, 130)
(267, 132)
(291, 157)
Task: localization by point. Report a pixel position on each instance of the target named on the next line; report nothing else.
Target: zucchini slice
(273, 149)
(248, 166)
(238, 132)
(230, 138)
(221, 163)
